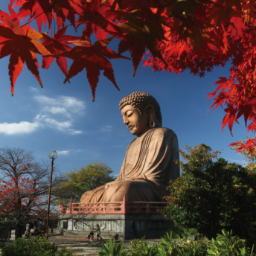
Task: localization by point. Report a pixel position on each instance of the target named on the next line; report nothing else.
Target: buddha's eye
(129, 113)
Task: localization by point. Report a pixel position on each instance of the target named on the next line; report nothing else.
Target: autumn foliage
(18, 196)
(170, 35)
(23, 186)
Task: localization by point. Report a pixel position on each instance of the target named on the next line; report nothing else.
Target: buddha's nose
(125, 120)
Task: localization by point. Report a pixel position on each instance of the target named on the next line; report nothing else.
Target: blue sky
(63, 117)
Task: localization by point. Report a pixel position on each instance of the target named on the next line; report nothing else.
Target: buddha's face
(136, 123)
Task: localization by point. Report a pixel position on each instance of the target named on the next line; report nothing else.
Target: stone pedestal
(121, 226)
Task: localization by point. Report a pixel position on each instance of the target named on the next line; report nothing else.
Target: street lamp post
(52, 155)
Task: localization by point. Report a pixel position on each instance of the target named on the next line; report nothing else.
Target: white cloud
(58, 110)
(57, 114)
(45, 119)
(80, 150)
(243, 163)
(73, 132)
(18, 128)
(57, 125)
(106, 128)
(32, 89)
(61, 105)
(238, 161)
(64, 152)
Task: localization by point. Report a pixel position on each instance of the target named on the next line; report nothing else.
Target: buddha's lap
(133, 190)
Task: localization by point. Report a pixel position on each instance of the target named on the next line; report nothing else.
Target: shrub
(33, 246)
(111, 249)
(185, 232)
(229, 245)
(140, 247)
(172, 245)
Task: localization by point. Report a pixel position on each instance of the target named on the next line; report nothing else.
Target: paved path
(83, 247)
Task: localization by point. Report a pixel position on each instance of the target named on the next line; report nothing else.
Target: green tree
(210, 196)
(75, 183)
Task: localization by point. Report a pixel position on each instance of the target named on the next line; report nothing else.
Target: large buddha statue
(149, 163)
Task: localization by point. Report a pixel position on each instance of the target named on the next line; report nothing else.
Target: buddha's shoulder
(164, 131)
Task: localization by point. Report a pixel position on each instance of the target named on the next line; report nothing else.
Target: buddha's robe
(148, 167)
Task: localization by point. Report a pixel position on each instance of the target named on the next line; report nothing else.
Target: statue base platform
(121, 226)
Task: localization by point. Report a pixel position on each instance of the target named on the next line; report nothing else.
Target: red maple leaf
(13, 16)
(237, 28)
(66, 9)
(219, 100)
(229, 118)
(93, 58)
(141, 33)
(57, 45)
(249, 144)
(41, 10)
(246, 110)
(99, 18)
(22, 45)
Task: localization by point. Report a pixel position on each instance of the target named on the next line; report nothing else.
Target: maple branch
(248, 25)
(28, 24)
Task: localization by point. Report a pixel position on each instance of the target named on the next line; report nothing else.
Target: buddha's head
(140, 112)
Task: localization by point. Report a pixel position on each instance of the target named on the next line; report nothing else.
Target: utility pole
(52, 155)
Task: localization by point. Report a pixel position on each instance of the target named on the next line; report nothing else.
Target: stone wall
(121, 226)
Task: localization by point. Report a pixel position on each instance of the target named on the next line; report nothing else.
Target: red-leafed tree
(23, 187)
(246, 148)
(173, 35)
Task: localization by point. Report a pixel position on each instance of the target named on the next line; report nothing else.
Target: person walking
(98, 232)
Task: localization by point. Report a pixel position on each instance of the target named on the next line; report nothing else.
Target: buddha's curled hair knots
(140, 100)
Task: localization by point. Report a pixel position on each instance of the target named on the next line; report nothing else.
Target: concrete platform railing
(121, 207)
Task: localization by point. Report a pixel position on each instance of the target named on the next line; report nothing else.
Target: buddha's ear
(150, 111)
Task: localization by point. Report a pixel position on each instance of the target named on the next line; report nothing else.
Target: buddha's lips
(130, 127)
